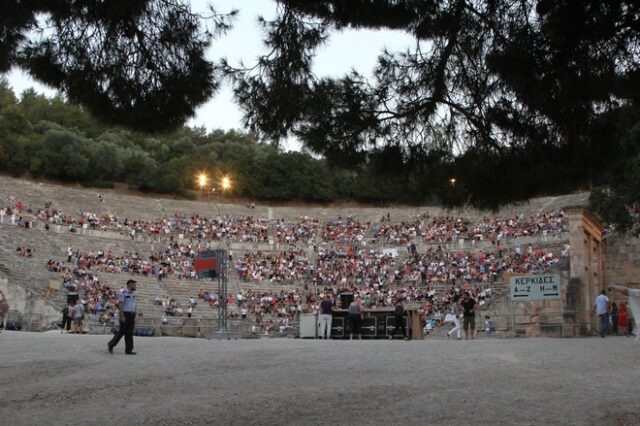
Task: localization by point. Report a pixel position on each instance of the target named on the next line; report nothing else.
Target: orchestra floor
(54, 379)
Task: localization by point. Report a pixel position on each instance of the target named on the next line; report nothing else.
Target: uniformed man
(127, 309)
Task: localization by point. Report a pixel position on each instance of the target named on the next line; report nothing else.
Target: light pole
(222, 256)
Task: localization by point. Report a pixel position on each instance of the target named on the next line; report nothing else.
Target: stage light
(226, 183)
(202, 180)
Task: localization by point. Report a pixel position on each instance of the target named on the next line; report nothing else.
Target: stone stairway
(182, 290)
(27, 272)
(147, 289)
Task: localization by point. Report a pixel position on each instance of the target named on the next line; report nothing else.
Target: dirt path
(58, 379)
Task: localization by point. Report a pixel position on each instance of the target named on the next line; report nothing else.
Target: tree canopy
(511, 98)
(516, 96)
(138, 63)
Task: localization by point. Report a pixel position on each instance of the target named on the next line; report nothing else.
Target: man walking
(326, 317)
(601, 306)
(127, 309)
(469, 315)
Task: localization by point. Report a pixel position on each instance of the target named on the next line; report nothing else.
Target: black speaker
(337, 327)
(369, 327)
(382, 327)
(391, 324)
(345, 300)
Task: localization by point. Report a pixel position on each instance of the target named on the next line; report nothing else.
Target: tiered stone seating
(31, 273)
(182, 290)
(27, 272)
(266, 286)
(123, 205)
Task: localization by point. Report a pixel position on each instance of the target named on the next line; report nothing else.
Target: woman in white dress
(455, 311)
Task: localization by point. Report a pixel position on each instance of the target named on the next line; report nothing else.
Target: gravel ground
(56, 379)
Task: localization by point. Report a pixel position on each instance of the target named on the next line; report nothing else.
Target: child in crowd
(489, 327)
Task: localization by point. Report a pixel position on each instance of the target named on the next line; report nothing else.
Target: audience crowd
(175, 261)
(434, 266)
(284, 267)
(303, 231)
(345, 231)
(349, 260)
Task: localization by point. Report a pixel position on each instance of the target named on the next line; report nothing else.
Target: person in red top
(633, 305)
(622, 317)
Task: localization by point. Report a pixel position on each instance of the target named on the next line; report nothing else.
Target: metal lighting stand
(223, 332)
(223, 279)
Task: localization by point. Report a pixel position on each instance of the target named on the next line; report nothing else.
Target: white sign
(535, 287)
(393, 252)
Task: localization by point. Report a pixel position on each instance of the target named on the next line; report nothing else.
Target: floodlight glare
(226, 183)
(202, 180)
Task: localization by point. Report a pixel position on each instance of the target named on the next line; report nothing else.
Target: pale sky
(344, 51)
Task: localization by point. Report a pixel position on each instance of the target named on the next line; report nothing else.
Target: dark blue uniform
(128, 302)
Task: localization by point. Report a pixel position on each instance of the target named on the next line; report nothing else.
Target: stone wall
(547, 318)
(585, 238)
(621, 263)
(36, 312)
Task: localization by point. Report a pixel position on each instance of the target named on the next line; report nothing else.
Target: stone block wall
(621, 260)
(36, 312)
(545, 318)
(621, 263)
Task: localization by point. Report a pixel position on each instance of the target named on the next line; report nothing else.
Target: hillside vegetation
(50, 138)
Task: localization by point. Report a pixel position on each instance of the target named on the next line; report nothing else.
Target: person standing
(601, 307)
(398, 315)
(623, 318)
(127, 310)
(78, 316)
(614, 318)
(469, 307)
(326, 317)
(455, 311)
(67, 313)
(356, 315)
(633, 304)
(488, 324)
(4, 310)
